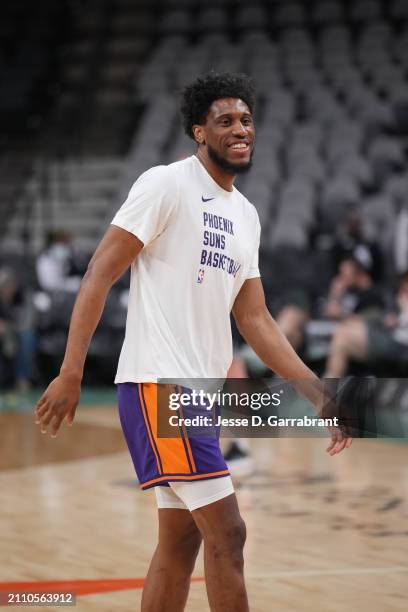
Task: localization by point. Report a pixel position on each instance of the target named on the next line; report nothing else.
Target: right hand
(59, 401)
(337, 287)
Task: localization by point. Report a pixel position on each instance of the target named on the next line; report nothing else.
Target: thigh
(200, 493)
(353, 332)
(219, 520)
(167, 498)
(178, 530)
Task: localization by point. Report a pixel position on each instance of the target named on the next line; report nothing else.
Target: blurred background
(89, 100)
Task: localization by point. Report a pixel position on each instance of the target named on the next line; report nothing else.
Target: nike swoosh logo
(206, 199)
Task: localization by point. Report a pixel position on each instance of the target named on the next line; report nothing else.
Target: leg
(224, 535)
(292, 319)
(350, 341)
(168, 579)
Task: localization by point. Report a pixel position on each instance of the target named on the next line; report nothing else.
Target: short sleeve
(253, 271)
(148, 208)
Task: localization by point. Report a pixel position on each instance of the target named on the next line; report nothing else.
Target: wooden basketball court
(324, 534)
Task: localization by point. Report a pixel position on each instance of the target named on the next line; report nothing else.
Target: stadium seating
(332, 110)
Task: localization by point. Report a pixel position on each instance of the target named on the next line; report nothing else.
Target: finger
(70, 417)
(39, 420)
(40, 412)
(337, 447)
(333, 442)
(41, 401)
(343, 445)
(349, 442)
(46, 419)
(55, 425)
(333, 451)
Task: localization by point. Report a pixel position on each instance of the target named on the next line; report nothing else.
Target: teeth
(240, 145)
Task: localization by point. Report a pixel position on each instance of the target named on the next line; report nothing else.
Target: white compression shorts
(193, 495)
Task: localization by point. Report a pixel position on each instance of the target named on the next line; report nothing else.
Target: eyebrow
(245, 113)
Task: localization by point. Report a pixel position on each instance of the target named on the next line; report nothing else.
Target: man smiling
(192, 242)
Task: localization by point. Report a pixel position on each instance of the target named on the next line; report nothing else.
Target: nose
(239, 129)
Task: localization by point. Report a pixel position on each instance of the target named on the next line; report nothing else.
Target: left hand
(339, 441)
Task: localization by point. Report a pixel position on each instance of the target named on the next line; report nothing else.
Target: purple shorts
(160, 460)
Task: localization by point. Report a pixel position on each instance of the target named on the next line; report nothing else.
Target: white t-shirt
(200, 244)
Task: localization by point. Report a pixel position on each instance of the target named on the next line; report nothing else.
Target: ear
(199, 134)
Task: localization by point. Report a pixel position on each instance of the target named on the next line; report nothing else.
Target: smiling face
(228, 135)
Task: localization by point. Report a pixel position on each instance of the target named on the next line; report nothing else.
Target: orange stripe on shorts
(148, 428)
(186, 440)
(185, 477)
(171, 450)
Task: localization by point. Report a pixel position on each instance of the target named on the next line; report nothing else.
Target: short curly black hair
(199, 95)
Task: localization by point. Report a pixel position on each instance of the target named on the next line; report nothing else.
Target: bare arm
(115, 253)
(262, 333)
(333, 308)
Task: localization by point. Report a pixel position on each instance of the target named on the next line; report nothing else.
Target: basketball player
(192, 241)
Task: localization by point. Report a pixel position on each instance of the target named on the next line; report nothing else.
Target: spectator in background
(54, 266)
(349, 237)
(353, 290)
(373, 341)
(17, 335)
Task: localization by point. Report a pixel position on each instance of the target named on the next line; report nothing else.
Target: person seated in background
(54, 266)
(302, 300)
(353, 290)
(372, 341)
(17, 333)
(349, 236)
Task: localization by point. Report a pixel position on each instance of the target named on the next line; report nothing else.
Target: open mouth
(242, 147)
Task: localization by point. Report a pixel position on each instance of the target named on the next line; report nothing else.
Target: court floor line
(79, 587)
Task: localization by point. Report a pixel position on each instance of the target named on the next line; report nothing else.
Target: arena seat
(398, 9)
(289, 14)
(327, 12)
(250, 17)
(365, 10)
(332, 111)
(212, 20)
(177, 22)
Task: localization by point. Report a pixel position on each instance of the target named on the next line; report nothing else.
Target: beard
(227, 166)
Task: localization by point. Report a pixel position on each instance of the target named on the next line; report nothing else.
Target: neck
(224, 179)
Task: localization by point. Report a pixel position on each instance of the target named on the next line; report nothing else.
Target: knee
(351, 335)
(343, 336)
(229, 542)
(291, 318)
